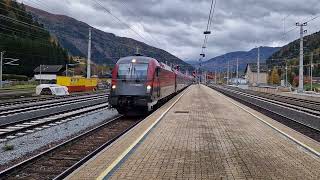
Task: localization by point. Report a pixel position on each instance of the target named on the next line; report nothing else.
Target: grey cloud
(177, 25)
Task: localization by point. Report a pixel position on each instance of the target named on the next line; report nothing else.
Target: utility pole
(89, 56)
(1, 64)
(237, 71)
(300, 88)
(228, 74)
(67, 70)
(311, 67)
(40, 73)
(215, 76)
(258, 67)
(286, 74)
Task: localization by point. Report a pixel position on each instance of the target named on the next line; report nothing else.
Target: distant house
(48, 72)
(251, 73)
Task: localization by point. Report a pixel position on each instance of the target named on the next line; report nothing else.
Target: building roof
(48, 69)
(254, 68)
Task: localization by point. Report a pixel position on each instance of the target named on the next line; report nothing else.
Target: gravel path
(31, 142)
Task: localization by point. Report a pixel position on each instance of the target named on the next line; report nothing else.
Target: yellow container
(77, 84)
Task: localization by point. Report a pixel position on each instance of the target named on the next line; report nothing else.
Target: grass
(8, 147)
(314, 86)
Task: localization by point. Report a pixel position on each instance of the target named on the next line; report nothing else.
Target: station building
(251, 73)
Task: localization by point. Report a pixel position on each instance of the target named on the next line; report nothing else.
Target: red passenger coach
(139, 83)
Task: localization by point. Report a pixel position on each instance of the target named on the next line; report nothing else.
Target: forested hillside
(107, 48)
(290, 54)
(24, 38)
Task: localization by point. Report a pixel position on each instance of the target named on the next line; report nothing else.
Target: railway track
(301, 118)
(32, 112)
(14, 130)
(61, 160)
(313, 105)
(47, 104)
(7, 103)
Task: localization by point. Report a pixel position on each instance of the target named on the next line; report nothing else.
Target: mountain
(290, 54)
(244, 57)
(193, 63)
(291, 50)
(107, 48)
(24, 38)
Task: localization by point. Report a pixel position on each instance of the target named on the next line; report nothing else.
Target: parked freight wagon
(78, 84)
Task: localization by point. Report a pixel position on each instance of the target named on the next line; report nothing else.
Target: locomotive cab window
(133, 71)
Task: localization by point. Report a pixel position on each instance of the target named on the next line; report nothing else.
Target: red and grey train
(140, 83)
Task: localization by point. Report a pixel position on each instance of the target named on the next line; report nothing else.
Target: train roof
(144, 59)
(141, 59)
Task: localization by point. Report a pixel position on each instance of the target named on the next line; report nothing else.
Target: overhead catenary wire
(140, 19)
(36, 37)
(208, 27)
(23, 23)
(118, 19)
(132, 47)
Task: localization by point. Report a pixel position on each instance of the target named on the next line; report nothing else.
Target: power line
(22, 23)
(140, 19)
(109, 12)
(45, 44)
(210, 17)
(8, 28)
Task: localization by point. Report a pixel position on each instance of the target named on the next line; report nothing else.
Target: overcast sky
(177, 25)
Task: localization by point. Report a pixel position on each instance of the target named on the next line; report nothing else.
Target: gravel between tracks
(31, 142)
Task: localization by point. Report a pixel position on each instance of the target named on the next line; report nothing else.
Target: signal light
(114, 86)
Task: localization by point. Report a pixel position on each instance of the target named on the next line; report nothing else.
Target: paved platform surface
(204, 136)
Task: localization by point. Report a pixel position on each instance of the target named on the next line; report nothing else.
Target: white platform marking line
(115, 162)
(273, 127)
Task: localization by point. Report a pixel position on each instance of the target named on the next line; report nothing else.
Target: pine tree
(30, 43)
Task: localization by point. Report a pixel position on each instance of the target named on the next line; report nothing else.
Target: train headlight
(114, 87)
(148, 88)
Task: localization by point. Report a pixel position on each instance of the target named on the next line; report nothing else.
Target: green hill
(107, 48)
(24, 38)
(290, 54)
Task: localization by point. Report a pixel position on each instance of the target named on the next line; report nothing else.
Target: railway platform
(202, 134)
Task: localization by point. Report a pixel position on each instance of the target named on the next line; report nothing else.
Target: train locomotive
(139, 84)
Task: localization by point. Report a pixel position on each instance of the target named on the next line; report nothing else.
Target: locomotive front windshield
(133, 71)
